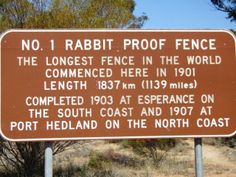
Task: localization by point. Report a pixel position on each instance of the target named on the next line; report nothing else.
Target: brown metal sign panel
(107, 84)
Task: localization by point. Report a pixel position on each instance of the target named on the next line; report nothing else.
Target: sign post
(48, 162)
(198, 157)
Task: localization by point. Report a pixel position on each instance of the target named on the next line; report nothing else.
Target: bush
(100, 165)
(230, 141)
(26, 159)
(138, 146)
(71, 171)
(97, 160)
(156, 149)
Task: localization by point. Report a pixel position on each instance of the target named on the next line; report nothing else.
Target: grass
(139, 158)
(114, 159)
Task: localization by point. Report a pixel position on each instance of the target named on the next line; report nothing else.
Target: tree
(25, 159)
(14, 13)
(228, 6)
(69, 14)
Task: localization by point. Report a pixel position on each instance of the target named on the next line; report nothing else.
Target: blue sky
(182, 14)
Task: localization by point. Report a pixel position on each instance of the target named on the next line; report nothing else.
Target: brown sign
(99, 84)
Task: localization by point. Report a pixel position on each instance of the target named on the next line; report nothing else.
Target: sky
(182, 14)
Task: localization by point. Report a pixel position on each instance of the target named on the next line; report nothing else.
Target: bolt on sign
(107, 84)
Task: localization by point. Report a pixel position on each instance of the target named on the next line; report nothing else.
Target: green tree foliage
(228, 6)
(14, 13)
(69, 14)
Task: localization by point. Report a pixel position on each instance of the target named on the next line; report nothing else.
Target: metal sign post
(48, 163)
(198, 157)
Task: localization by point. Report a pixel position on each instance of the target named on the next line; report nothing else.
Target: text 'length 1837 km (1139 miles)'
(113, 84)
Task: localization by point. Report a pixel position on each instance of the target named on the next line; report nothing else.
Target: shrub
(71, 171)
(123, 159)
(152, 147)
(230, 141)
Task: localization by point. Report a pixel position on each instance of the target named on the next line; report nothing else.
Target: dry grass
(113, 159)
